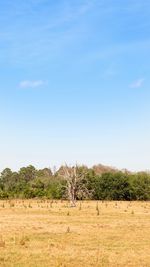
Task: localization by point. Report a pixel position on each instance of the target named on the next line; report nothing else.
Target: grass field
(36, 233)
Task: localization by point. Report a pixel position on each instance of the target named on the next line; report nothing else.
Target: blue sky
(75, 83)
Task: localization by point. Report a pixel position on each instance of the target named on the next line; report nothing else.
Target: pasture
(45, 233)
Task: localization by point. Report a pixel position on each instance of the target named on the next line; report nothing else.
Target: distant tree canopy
(100, 183)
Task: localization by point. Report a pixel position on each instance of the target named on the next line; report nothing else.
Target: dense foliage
(101, 183)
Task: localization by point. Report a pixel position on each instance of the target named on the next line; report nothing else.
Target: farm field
(45, 233)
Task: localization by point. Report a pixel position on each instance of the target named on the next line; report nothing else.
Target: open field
(36, 233)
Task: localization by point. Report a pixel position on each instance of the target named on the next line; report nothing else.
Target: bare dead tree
(76, 186)
(70, 175)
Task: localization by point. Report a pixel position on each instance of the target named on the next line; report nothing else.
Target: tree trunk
(71, 193)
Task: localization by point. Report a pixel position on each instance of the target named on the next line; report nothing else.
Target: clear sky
(75, 83)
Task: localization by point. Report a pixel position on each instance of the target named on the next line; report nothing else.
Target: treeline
(101, 183)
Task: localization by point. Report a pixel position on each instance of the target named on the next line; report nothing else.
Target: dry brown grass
(35, 233)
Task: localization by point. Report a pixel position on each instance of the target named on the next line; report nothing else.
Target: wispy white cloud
(31, 84)
(137, 84)
(69, 13)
